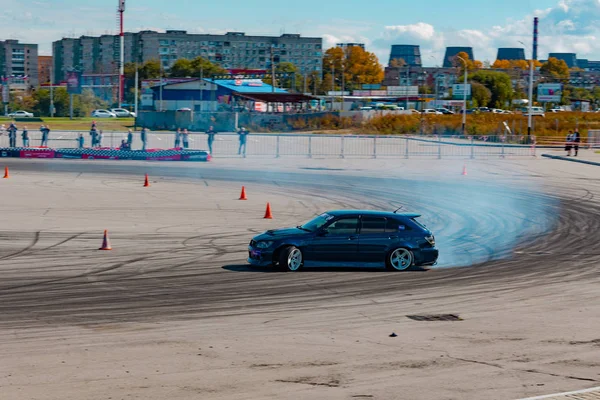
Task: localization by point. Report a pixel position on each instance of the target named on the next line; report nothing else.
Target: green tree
(498, 83)
(184, 67)
(480, 95)
(555, 69)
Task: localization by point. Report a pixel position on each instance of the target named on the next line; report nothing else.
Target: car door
(378, 236)
(373, 242)
(336, 243)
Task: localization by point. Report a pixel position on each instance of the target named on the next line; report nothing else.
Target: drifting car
(347, 238)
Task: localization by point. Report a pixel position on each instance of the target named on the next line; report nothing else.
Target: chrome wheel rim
(295, 260)
(401, 259)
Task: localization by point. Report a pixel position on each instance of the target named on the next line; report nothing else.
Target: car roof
(389, 214)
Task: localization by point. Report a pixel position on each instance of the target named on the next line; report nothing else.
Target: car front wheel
(400, 259)
(291, 259)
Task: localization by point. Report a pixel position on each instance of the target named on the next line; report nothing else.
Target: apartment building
(19, 64)
(234, 50)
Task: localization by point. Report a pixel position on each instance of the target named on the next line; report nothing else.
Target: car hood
(275, 234)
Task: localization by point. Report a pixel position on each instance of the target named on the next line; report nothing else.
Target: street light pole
(530, 105)
(343, 84)
(464, 121)
(407, 83)
(332, 81)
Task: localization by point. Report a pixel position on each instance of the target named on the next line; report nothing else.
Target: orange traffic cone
(243, 195)
(146, 183)
(105, 242)
(6, 174)
(464, 173)
(268, 214)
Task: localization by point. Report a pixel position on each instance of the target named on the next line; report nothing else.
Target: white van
(535, 111)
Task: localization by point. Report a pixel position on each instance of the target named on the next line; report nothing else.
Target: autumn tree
(397, 63)
(357, 65)
(555, 69)
(472, 65)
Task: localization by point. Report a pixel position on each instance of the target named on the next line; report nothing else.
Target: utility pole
(161, 86)
(137, 78)
(529, 116)
(52, 90)
(121, 53)
(201, 84)
(332, 82)
(343, 84)
(464, 119)
(407, 83)
(273, 80)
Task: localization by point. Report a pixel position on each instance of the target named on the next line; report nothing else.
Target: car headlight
(264, 245)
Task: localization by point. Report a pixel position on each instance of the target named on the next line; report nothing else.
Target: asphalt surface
(498, 237)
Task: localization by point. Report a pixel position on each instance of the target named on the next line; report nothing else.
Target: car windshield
(316, 223)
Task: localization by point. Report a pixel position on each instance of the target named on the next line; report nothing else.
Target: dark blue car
(348, 238)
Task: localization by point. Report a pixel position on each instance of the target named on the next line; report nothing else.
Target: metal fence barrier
(323, 146)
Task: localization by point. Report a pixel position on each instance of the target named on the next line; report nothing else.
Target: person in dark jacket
(99, 139)
(177, 138)
(129, 138)
(94, 136)
(25, 136)
(45, 133)
(211, 138)
(80, 141)
(242, 135)
(12, 135)
(185, 137)
(569, 143)
(144, 138)
(576, 141)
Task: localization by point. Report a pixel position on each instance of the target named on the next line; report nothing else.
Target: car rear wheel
(291, 259)
(400, 259)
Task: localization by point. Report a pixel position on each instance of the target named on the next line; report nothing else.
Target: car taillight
(431, 240)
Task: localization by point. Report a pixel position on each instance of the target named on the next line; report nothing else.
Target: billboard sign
(74, 82)
(403, 90)
(549, 92)
(458, 91)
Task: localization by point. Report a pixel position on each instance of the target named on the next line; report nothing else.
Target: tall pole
(464, 119)
(332, 82)
(407, 84)
(121, 53)
(52, 90)
(529, 121)
(201, 84)
(161, 87)
(137, 78)
(343, 84)
(273, 81)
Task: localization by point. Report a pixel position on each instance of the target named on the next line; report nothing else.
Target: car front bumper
(260, 257)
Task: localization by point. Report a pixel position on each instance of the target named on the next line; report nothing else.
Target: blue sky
(566, 25)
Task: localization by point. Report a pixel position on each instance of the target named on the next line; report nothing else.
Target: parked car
(444, 111)
(396, 241)
(122, 113)
(431, 111)
(20, 114)
(483, 109)
(496, 111)
(535, 111)
(184, 109)
(555, 110)
(103, 114)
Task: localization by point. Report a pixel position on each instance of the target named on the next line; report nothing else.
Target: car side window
(395, 226)
(372, 225)
(344, 226)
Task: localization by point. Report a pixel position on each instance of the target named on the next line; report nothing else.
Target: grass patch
(77, 124)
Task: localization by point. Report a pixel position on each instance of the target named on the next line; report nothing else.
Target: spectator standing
(211, 138)
(144, 138)
(129, 138)
(177, 138)
(99, 139)
(12, 135)
(186, 139)
(569, 144)
(242, 135)
(93, 136)
(45, 133)
(25, 136)
(80, 141)
(576, 141)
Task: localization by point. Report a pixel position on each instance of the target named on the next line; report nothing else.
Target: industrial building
(19, 64)
(452, 52)
(511, 54)
(234, 50)
(569, 58)
(411, 54)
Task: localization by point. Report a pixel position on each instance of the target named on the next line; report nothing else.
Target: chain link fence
(325, 146)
